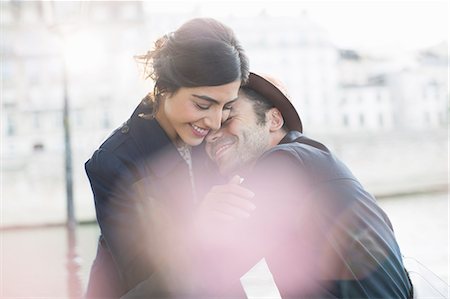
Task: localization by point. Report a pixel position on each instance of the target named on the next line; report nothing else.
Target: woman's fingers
(234, 189)
(229, 204)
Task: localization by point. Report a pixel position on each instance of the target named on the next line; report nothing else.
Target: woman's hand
(222, 210)
(225, 203)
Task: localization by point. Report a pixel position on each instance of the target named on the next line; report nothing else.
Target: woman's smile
(198, 131)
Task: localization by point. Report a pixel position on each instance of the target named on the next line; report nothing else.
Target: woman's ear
(275, 119)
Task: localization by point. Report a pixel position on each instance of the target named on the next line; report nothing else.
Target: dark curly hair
(202, 52)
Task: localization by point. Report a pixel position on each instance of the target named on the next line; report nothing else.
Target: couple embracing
(212, 173)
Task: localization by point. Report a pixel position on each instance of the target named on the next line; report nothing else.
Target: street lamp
(64, 27)
(63, 19)
(71, 220)
(73, 265)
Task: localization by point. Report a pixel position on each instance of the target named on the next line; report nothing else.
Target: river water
(33, 261)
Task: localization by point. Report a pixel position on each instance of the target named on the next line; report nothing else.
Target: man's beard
(243, 155)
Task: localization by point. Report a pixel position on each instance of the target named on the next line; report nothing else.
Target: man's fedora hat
(275, 92)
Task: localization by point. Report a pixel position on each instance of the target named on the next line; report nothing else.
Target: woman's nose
(214, 120)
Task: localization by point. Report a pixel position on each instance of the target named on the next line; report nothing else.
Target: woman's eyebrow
(211, 100)
(206, 98)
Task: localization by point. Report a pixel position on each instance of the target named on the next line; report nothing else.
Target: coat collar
(291, 136)
(296, 136)
(152, 141)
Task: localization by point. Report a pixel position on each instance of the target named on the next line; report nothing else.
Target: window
(345, 120)
(378, 96)
(38, 147)
(106, 122)
(381, 120)
(361, 120)
(424, 93)
(10, 126)
(427, 118)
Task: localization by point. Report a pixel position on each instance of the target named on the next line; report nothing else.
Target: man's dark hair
(260, 106)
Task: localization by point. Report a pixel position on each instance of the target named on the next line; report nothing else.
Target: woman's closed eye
(202, 106)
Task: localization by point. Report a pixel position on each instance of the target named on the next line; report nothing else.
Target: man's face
(239, 141)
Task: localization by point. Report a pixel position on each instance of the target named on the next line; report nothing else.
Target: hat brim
(278, 99)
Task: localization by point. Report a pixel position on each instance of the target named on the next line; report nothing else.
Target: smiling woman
(143, 174)
(191, 112)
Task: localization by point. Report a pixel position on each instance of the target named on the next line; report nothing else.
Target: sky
(382, 26)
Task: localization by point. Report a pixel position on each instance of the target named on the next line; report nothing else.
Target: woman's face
(191, 112)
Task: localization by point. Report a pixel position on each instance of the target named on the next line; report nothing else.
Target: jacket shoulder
(116, 138)
(115, 156)
(287, 151)
(311, 157)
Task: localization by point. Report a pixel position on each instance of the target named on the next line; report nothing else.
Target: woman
(197, 71)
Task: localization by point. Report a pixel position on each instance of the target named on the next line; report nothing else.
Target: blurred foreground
(34, 261)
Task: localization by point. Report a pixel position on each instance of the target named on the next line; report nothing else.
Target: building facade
(337, 91)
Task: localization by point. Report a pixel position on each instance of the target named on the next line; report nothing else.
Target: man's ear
(274, 119)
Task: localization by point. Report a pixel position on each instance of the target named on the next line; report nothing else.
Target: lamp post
(73, 260)
(63, 26)
(71, 220)
(63, 29)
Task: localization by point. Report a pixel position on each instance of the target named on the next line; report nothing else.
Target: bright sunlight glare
(82, 50)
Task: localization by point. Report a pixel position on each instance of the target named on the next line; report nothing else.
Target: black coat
(142, 190)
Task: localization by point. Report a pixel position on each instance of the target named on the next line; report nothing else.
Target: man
(321, 233)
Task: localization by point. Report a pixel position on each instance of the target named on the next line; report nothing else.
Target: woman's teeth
(200, 130)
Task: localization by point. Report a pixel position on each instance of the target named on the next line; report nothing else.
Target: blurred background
(369, 79)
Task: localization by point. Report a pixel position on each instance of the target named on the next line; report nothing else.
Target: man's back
(324, 235)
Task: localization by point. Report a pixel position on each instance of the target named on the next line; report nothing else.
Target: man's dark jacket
(321, 234)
